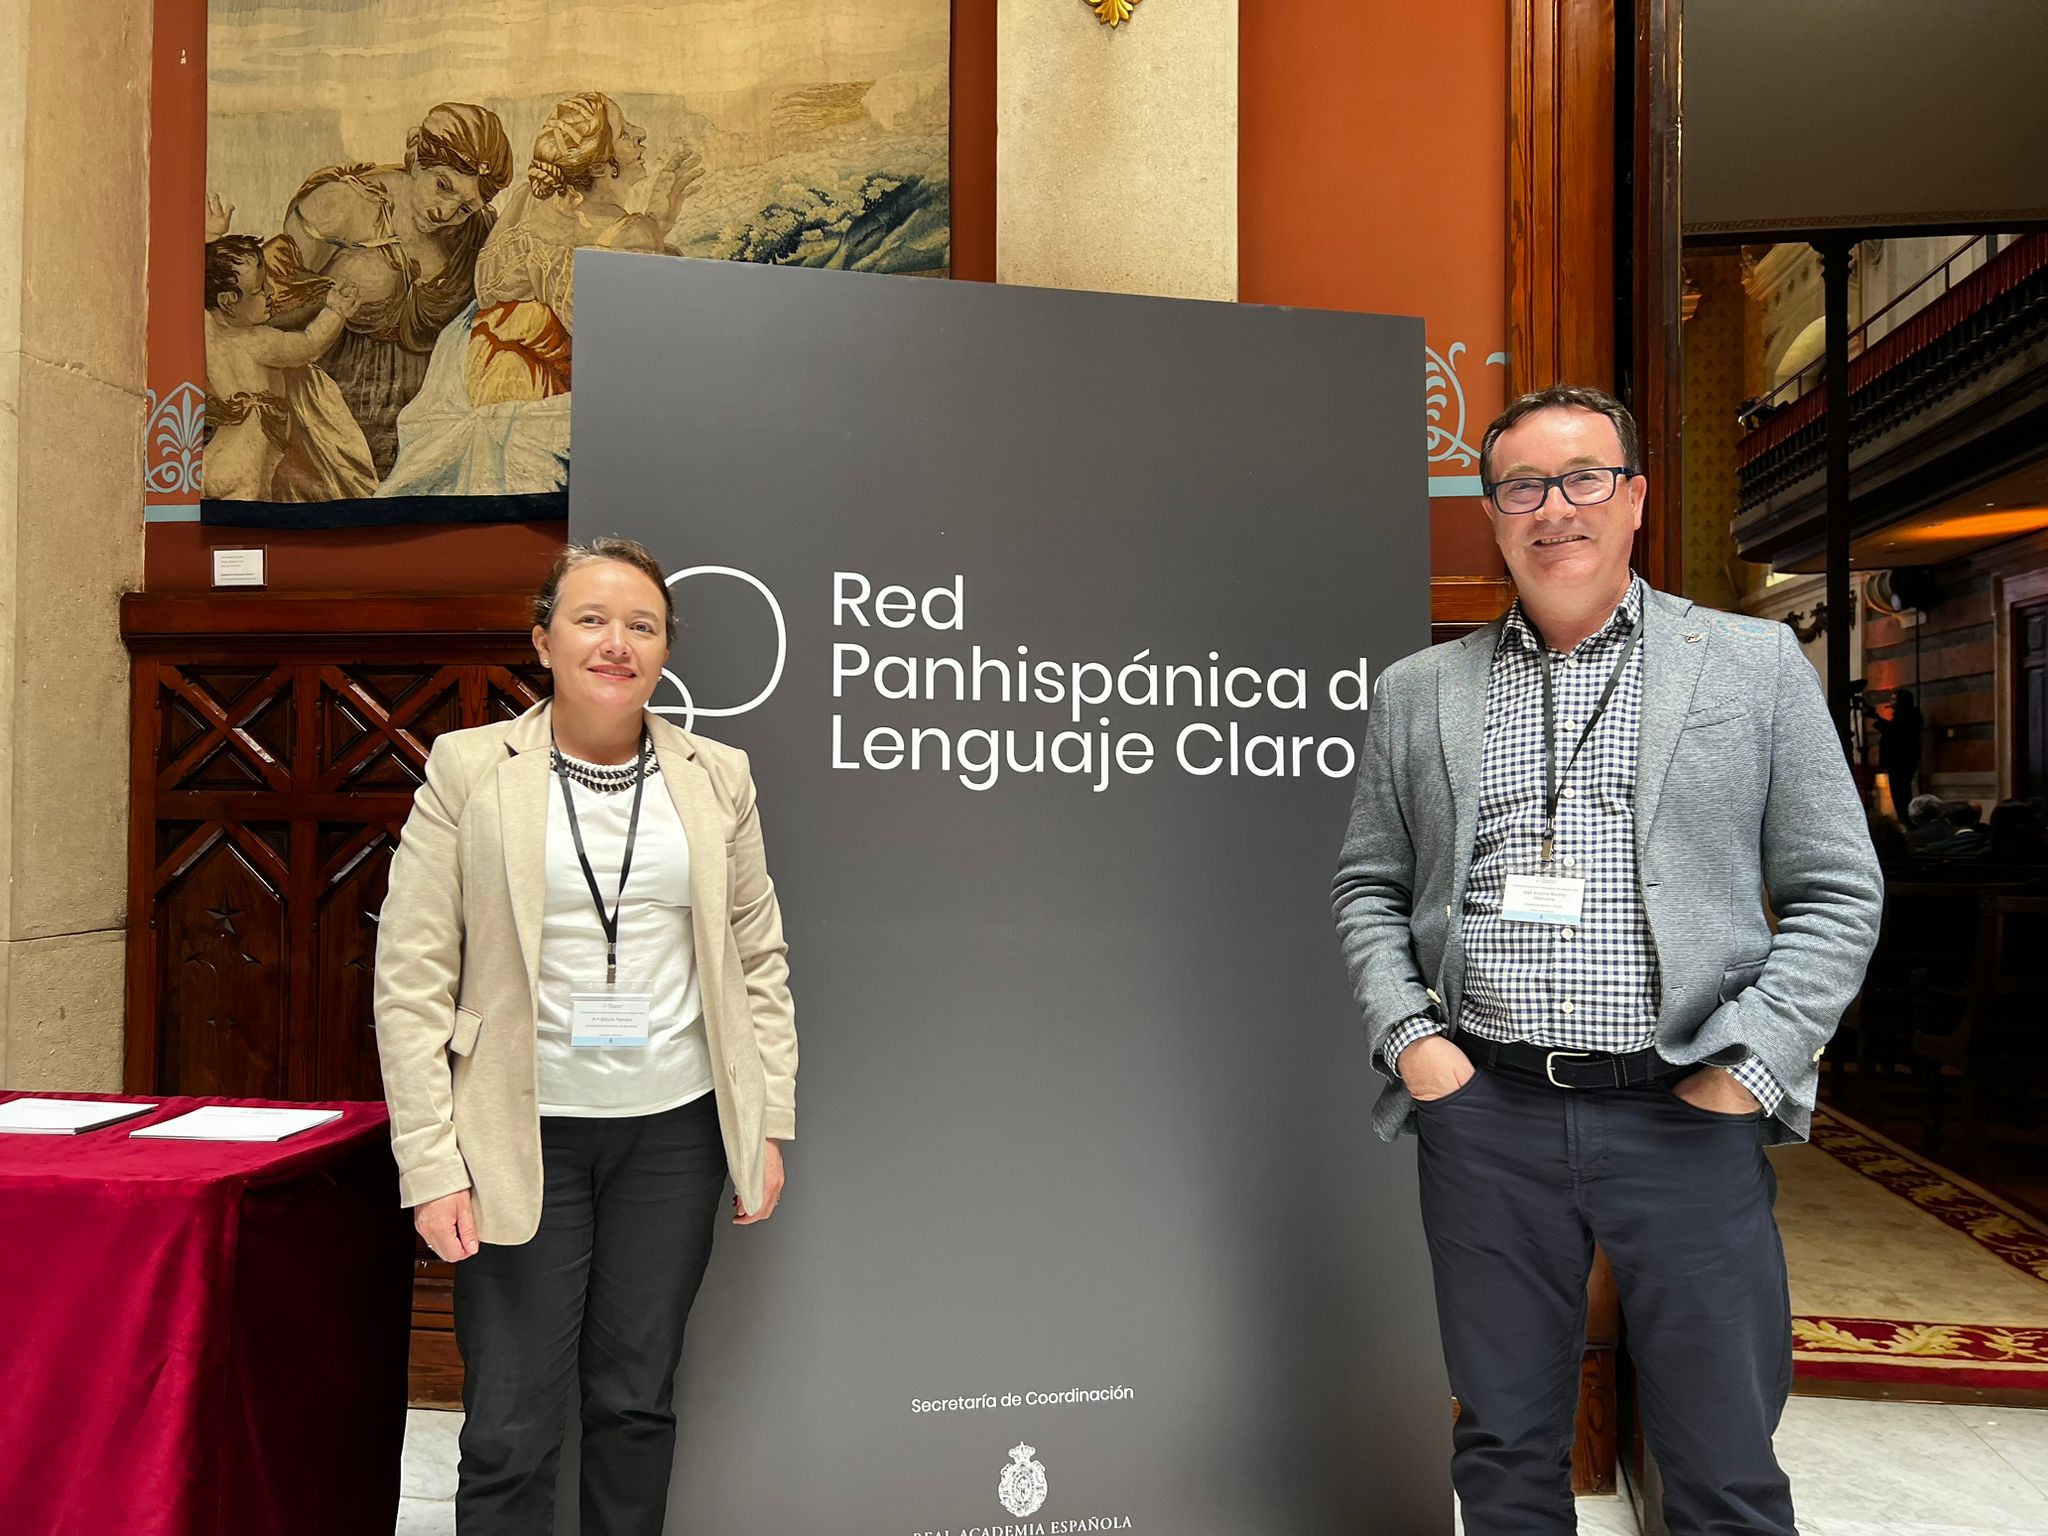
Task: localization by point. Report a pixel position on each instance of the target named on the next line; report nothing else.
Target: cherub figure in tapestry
(264, 397)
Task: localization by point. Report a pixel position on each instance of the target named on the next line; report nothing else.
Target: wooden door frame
(1574, 316)
(2009, 593)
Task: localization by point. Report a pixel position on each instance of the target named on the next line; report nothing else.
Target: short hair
(224, 258)
(1565, 397)
(1922, 809)
(607, 547)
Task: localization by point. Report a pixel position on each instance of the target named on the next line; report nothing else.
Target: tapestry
(396, 189)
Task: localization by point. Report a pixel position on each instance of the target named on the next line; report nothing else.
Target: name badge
(609, 1020)
(1557, 899)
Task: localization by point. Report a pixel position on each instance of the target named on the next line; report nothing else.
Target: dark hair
(1565, 397)
(224, 258)
(464, 138)
(608, 547)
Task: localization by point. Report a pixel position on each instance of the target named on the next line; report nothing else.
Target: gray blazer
(1740, 789)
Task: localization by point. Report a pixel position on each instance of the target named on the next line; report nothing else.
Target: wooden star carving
(1111, 13)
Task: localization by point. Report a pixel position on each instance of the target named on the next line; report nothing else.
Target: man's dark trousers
(1519, 1180)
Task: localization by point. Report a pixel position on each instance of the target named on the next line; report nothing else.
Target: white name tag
(1555, 899)
(609, 1020)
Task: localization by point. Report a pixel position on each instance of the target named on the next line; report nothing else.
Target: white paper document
(231, 1122)
(63, 1117)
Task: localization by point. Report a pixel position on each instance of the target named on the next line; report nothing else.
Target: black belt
(1571, 1069)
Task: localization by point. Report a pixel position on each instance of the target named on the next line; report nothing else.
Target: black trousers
(597, 1301)
(1519, 1180)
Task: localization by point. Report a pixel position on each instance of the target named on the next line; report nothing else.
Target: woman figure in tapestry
(585, 159)
(406, 237)
(492, 418)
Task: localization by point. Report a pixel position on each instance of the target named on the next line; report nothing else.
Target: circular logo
(689, 709)
(1022, 1485)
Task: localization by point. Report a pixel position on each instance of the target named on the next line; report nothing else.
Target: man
(1566, 972)
(1924, 822)
(1898, 745)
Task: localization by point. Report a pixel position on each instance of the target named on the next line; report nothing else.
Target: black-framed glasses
(1580, 487)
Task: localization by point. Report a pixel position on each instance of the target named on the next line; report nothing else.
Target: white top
(657, 955)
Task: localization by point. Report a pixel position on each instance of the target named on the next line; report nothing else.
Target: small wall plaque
(238, 567)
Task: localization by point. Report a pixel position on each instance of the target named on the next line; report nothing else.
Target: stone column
(74, 103)
(1116, 149)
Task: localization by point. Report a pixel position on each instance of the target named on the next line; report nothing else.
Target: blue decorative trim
(176, 456)
(171, 514)
(1445, 395)
(1454, 485)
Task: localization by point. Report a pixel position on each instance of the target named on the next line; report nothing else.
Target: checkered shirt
(1593, 987)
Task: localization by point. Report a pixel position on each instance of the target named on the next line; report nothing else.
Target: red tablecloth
(202, 1338)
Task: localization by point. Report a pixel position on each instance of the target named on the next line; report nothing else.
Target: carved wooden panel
(221, 971)
(277, 744)
(354, 862)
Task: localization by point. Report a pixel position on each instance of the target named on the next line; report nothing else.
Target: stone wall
(74, 100)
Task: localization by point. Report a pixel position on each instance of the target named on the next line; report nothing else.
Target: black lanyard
(1552, 786)
(610, 923)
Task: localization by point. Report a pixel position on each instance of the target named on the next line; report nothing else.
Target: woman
(491, 417)
(407, 237)
(586, 157)
(584, 1021)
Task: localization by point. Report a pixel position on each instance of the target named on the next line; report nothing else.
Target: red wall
(1372, 175)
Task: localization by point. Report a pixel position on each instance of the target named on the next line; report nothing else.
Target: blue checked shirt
(1593, 987)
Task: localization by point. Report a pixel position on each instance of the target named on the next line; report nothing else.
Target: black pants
(597, 1299)
(1519, 1180)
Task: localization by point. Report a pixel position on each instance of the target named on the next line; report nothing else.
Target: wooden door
(2030, 699)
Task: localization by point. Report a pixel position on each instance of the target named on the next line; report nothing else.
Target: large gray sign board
(1083, 1163)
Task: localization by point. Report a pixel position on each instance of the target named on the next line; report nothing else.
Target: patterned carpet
(1906, 1277)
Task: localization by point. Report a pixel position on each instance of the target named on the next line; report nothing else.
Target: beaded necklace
(607, 778)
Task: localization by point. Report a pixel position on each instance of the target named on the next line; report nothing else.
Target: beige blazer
(458, 962)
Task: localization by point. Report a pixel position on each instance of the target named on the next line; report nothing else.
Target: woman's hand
(450, 1229)
(673, 183)
(771, 1189)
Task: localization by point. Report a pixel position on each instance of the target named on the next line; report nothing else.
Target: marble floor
(1858, 1468)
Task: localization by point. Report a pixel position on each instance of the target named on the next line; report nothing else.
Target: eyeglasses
(1581, 487)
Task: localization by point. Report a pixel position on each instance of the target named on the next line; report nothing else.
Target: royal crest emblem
(1022, 1485)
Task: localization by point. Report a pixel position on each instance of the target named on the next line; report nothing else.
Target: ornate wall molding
(1111, 13)
(1449, 418)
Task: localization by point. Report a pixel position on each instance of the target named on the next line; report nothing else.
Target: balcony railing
(1983, 316)
(1943, 277)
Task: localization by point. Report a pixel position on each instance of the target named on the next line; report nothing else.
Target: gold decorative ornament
(1111, 13)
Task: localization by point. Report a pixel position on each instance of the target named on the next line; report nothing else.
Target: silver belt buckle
(1550, 1072)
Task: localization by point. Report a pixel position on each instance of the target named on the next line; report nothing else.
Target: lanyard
(610, 923)
(1552, 785)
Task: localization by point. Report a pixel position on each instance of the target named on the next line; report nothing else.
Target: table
(202, 1338)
